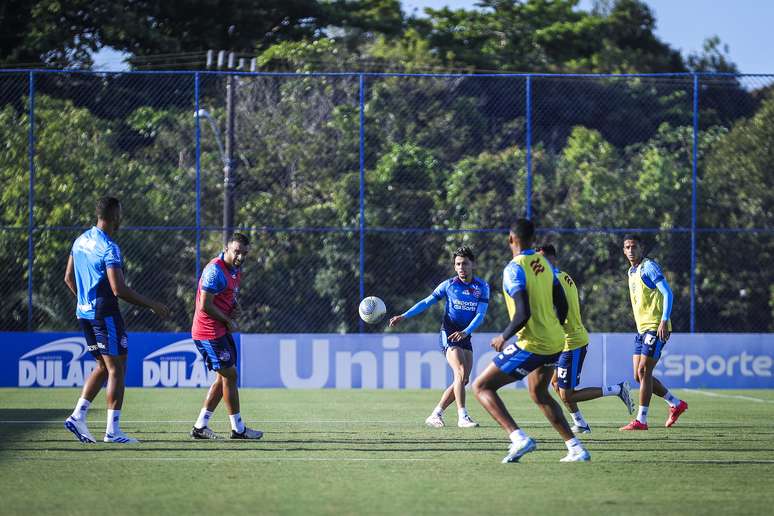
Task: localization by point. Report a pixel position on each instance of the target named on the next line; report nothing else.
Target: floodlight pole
(230, 164)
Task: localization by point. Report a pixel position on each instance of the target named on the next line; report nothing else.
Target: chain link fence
(363, 184)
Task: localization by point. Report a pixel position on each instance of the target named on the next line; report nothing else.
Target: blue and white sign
(374, 361)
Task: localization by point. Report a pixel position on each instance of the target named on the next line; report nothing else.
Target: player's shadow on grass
(22, 424)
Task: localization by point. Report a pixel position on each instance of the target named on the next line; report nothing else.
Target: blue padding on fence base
(381, 361)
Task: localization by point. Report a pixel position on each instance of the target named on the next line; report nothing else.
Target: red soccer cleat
(674, 413)
(634, 425)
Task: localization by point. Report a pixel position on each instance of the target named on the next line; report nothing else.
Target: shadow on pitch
(15, 430)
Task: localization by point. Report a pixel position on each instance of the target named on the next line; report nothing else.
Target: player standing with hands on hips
(217, 308)
(95, 274)
(651, 300)
(467, 298)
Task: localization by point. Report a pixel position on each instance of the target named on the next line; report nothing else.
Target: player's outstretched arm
(122, 290)
(69, 277)
(414, 310)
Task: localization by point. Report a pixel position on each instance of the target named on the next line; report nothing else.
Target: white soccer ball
(372, 309)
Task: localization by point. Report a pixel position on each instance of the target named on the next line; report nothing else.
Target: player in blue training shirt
(651, 300)
(466, 300)
(95, 276)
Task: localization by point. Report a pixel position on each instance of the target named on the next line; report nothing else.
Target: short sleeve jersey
(94, 252)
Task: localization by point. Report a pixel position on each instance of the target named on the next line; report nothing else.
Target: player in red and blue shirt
(217, 308)
(467, 298)
(95, 275)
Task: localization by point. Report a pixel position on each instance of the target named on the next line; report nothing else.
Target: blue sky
(683, 24)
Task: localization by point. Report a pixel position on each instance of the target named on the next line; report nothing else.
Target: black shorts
(220, 353)
(105, 336)
(462, 344)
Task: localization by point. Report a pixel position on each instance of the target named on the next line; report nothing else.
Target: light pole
(229, 167)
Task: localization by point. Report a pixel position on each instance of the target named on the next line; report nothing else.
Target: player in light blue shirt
(95, 275)
(467, 298)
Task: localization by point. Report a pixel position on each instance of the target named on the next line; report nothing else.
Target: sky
(683, 24)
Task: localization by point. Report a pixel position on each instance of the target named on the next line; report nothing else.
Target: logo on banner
(59, 363)
(176, 365)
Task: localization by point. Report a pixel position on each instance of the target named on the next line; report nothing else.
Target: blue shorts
(519, 363)
(446, 344)
(568, 369)
(105, 336)
(648, 344)
(220, 353)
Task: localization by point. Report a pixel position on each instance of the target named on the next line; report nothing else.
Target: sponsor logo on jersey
(59, 363)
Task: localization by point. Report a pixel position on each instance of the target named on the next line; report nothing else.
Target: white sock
(113, 422)
(81, 409)
(671, 399)
(204, 419)
(573, 443)
(438, 411)
(577, 418)
(517, 436)
(611, 390)
(462, 413)
(642, 415)
(237, 425)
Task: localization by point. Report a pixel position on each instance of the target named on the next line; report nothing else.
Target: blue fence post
(361, 325)
(694, 167)
(31, 197)
(198, 179)
(528, 144)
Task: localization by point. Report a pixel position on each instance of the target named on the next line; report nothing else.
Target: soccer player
(466, 299)
(576, 340)
(652, 305)
(95, 276)
(537, 306)
(217, 308)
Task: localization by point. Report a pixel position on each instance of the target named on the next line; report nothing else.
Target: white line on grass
(734, 396)
(231, 459)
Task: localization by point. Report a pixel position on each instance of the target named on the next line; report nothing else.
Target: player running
(537, 305)
(95, 274)
(217, 308)
(652, 305)
(467, 298)
(576, 340)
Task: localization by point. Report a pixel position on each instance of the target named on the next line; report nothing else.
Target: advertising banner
(374, 361)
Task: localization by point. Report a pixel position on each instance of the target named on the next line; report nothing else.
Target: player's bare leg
(116, 370)
(461, 362)
(77, 423)
(230, 390)
(201, 429)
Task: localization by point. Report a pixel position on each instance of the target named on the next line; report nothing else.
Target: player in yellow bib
(576, 340)
(651, 300)
(536, 304)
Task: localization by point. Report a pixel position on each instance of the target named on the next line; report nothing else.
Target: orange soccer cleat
(674, 413)
(634, 425)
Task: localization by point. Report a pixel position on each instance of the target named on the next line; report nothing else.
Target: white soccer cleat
(578, 429)
(435, 420)
(626, 396)
(577, 455)
(248, 433)
(120, 437)
(519, 449)
(79, 429)
(466, 422)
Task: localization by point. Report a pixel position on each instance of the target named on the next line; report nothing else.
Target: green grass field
(359, 451)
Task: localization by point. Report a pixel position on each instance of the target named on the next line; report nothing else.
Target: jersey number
(537, 267)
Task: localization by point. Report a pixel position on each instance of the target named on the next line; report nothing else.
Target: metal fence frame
(361, 229)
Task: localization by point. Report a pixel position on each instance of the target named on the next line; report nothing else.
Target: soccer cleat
(203, 433)
(78, 427)
(674, 413)
(519, 449)
(577, 455)
(248, 433)
(466, 422)
(626, 396)
(634, 425)
(434, 420)
(578, 429)
(120, 438)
